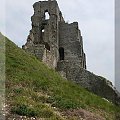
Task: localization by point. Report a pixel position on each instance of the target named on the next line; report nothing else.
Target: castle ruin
(54, 41)
(60, 45)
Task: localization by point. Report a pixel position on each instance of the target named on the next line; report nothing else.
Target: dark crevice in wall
(61, 53)
(47, 46)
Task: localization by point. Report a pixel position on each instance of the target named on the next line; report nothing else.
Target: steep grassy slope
(34, 90)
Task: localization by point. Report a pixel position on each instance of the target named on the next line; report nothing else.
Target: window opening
(43, 30)
(47, 16)
(42, 33)
(47, 46)
(61, 53)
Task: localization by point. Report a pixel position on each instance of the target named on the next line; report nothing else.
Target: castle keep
(54, 41)
(60, 46)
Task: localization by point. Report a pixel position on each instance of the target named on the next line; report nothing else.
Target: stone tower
(54, 41)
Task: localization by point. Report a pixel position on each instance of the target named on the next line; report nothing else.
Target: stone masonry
(51, 39)
(60, 46)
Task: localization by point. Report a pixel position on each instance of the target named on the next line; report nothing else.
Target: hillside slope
(33, 91)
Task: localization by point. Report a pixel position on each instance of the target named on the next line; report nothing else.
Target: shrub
(24, 110)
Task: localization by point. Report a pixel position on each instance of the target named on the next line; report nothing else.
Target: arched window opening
(47, 46)
(61, 53)
(47, 16)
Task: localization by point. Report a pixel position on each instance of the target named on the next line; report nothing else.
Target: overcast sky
(96, 22)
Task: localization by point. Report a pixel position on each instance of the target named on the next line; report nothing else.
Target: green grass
(33, 89)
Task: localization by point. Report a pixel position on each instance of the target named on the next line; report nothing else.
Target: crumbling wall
(71, 41)
(93, 83)
(44, 37)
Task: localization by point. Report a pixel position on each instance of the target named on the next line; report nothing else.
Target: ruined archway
(61, 53)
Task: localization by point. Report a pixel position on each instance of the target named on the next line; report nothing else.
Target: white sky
(96, 22)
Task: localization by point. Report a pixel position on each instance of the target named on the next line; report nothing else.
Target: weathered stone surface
(90, 81)
(62, 41)
(60, 46)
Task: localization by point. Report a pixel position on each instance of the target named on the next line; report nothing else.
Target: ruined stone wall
(45, 34)
(93, 83)
(68, 40)
(71, 41)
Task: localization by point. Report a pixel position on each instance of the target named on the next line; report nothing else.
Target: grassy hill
(34, 91)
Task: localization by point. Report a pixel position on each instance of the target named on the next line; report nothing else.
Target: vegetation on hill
(35, 91)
